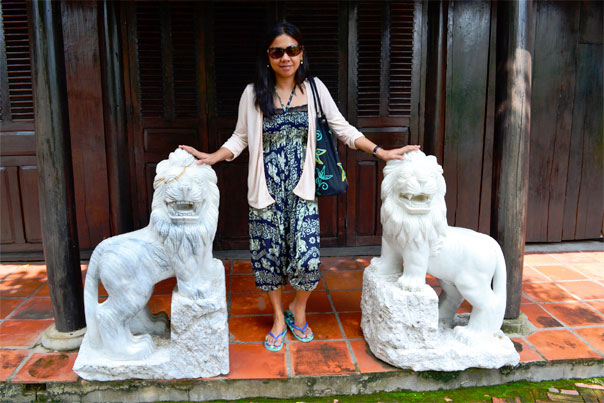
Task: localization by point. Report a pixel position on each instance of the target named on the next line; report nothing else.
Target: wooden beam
(515, 34)
(53, 149)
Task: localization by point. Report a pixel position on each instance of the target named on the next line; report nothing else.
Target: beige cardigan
(248, 132)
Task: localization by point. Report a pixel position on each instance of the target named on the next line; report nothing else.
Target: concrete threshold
(296, 387)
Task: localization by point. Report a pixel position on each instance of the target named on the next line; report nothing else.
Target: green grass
(526, 391)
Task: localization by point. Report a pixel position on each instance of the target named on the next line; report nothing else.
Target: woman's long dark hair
(264, 86)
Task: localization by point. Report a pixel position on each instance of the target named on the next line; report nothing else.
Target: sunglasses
(291, 50)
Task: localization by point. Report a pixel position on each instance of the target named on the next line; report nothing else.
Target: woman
(277, 122)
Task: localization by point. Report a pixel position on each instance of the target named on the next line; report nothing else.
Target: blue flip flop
(290, 322)
(280, 346)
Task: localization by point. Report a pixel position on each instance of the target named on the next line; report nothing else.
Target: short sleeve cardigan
(248, 133)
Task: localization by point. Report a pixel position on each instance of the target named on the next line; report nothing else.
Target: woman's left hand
(395, 153)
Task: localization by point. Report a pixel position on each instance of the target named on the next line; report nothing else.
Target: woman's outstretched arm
(209, 159)
(364, 144)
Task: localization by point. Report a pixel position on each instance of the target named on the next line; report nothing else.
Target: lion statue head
(185, 203)
(413, 201)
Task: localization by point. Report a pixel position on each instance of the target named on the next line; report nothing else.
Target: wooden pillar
(515, 33)
(57, 204)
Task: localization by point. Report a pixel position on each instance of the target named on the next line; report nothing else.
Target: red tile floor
(563, 296)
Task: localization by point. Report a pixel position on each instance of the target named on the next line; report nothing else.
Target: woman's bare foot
(278, 328)
(300, 319)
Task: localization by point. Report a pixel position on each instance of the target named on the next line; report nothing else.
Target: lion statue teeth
(176, 243)
(415, 232)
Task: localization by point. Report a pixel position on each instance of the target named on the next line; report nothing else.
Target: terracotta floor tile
(34, 308)
(7, 269)
(346, 280)
(324, 326)
(432, 281)
(43, 292)
(159, 303)
(526, 352)
(28, 272)
(464, 309)
(530, 275)
(546, 292)
(561, 345)
(599, 305)
(253, 361)
(321, 358)
(539, 317)
(339, 264)
(599, 255)
(584, 289)
(592, 270)
(250, 328)
(22, 333)
(539, 258)
(594, 336)
(560, 272)
(575, 314)
(8, 305)
(19, 288)
(366, 361)
(227, 265)
(575, 257)
(49, 367)
(242, 267)
(345, 301)
(364, 261)
(244, 284)
(9, 361)
(250, 304)
(317, 303)
(525, 300)
(351, 322)
(165, 287)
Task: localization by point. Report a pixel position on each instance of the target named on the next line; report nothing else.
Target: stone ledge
(310, 386)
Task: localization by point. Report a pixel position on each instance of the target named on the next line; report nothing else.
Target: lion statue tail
(91, 297)
(500, 283)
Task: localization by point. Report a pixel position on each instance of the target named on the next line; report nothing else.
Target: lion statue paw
(417, 240)
(176, 243)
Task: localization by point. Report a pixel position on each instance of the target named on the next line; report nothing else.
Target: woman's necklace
(286, 107)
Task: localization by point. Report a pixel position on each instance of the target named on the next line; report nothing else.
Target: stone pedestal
(402, 329)
(198, 346)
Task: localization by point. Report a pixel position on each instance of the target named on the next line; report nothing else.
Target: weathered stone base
(198, 346)
(402, 329)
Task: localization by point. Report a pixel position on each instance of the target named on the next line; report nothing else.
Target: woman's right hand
(202, 158)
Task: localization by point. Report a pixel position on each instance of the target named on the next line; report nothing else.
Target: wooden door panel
(11, 230)
(28, 182)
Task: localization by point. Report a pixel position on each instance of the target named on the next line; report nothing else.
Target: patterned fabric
(284, 237)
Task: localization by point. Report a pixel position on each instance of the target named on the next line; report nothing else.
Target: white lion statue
(177, 242)
(415, 232)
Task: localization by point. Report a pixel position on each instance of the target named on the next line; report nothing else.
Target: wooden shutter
(384, 62)
(167, 59)
(238, 30)
(318, 21)
(15, 64)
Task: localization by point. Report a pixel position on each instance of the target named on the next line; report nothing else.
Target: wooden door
(235, 30)
(19, 209)
(164, 47)
(384, 93)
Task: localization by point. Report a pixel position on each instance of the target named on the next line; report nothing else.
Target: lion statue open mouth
(415, 232)
(176, 243)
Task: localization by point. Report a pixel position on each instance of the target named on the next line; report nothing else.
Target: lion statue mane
(416, 236)
(176, 243)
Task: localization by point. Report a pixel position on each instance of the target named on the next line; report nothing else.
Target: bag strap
(316, 98)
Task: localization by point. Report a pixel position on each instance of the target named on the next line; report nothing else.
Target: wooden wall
(566, 191)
